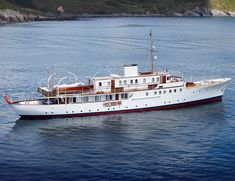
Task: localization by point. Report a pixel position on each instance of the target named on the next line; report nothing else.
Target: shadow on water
(69, 125)
(205, 115)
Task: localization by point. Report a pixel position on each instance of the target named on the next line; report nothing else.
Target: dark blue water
(183, 144)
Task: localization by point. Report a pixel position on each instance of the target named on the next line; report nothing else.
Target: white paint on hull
(138, 100)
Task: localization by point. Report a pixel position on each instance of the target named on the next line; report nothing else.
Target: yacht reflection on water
(187, 131)
(213, 111)
(70, 125)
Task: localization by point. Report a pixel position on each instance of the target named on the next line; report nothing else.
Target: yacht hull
(173, 106)
(148, 100)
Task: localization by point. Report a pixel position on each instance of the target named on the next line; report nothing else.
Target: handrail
(76, 79)
(58, 85)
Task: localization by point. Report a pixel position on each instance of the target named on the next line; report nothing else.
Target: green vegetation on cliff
(167, 7)
(112, 6)
(225, 5)
(6, 5)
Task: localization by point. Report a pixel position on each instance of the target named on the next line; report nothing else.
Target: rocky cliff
(19, 16)
(35, 10)
(12, 16)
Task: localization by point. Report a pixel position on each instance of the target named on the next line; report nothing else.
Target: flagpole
(151, 52)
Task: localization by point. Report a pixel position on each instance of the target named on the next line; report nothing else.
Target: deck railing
(20, 97)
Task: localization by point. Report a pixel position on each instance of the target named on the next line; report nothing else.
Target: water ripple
(183, 144)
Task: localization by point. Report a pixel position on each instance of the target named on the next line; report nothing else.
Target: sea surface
(195, 143)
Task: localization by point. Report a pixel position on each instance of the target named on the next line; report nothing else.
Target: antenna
(153, 57)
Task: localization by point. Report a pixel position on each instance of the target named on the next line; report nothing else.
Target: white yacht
(133, 91)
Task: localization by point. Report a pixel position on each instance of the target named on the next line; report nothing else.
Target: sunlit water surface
(188, 143)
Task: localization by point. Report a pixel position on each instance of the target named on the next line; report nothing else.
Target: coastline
(8, 16)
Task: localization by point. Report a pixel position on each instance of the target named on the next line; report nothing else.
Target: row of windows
(136, 81)
(109, 97)
(132, 81)
(164, 91)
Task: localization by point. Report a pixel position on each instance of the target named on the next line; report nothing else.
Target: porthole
(81, 110)
(126, 107)
(97, 109)
(146, 105)
(89, 110)
(67, 112)
(136, 106)
(155, 92)
(180, 89)
(46, 112)
(170, 91)
(108, 108)
(147, 93)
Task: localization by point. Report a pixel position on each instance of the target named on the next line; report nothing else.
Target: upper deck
(131, 80)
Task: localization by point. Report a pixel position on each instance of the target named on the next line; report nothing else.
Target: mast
(153, 57)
